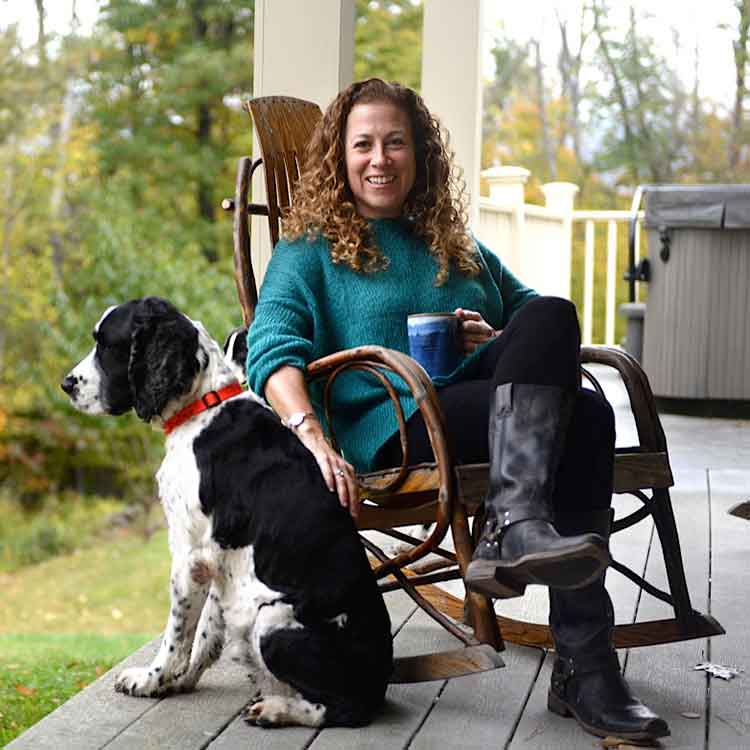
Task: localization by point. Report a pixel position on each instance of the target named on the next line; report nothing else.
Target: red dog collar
(206, 401)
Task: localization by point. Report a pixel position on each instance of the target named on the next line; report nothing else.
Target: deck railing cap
(560, 196)
(506, 184)
(506, 174)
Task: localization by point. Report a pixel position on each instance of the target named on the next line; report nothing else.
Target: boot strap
(567, 667)
(505, 519)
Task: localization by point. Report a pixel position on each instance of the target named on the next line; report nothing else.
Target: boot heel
(481, 577)
(556, 705)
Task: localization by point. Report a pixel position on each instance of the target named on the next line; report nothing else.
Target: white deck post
(560, 197)
(507, 188)
(451, 82)
(302, 49)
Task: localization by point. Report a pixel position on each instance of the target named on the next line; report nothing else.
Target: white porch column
(303, 49)
(452, 82)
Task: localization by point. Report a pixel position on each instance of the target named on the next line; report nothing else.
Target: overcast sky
(696, 20)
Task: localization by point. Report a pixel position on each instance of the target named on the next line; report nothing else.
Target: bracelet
(296, 419)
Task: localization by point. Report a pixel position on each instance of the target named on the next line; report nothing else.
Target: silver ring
(339, 472)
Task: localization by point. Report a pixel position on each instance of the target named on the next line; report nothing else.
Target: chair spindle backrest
(284, 126)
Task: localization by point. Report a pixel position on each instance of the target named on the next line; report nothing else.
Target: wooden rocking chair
(443, 493)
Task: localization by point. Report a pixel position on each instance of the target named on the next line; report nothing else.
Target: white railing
(613, 249)
(535, 242)
(531, 241)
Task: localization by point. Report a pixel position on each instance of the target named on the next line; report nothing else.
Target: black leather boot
(586, 679)
(519, 545)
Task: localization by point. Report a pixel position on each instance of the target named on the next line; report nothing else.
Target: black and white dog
(263, 556)
(235, 352)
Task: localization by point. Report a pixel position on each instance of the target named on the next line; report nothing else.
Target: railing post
(609, 326)
(560, 197)
(588, 285)
(507, 189)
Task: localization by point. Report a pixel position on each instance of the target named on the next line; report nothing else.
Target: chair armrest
(375, 359)
(650, 433)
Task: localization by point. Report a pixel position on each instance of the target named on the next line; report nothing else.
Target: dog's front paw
(142, 682)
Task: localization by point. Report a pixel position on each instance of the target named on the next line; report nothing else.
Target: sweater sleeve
(283, 328)
(514, 293)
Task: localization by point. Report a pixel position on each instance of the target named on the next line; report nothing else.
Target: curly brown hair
(324, 204)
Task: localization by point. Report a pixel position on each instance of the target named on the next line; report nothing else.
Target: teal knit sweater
(310, 307)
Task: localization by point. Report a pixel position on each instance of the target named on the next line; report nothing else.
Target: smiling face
(380, 162)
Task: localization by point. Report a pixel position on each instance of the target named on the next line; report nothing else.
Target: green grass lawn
(39, 672)
(66, 621)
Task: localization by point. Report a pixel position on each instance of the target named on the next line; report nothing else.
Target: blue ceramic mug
(435, 342)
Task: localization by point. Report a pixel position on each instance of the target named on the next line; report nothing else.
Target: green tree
(388, 41)
(641, 105)
(741, 52)
(109, 156)
(162, 79)
(514, 77)
(513, 128)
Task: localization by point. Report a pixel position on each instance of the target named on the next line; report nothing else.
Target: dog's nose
(69, 384)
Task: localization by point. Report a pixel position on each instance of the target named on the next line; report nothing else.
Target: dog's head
(235, 353)
(146, 355)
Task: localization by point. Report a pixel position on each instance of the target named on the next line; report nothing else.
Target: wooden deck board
(91, 718)
(190, 720)
(406, 705)
(539, 729)
(480, 711)
(663, 676)
(238, 735)
(729, 718)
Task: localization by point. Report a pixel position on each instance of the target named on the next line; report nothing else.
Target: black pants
(539, 346)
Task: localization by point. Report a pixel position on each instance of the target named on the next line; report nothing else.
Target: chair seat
(413, 501)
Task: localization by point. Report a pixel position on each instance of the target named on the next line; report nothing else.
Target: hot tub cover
(697, 206)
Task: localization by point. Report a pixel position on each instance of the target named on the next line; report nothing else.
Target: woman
(377, 232)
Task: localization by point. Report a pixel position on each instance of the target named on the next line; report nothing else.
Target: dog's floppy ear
(163, 361)
(235, 353)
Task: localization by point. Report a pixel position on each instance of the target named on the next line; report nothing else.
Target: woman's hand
(338, 474)
(475, 331)
(286, 391)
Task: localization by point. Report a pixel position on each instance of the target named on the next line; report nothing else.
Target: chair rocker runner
(442, 493)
